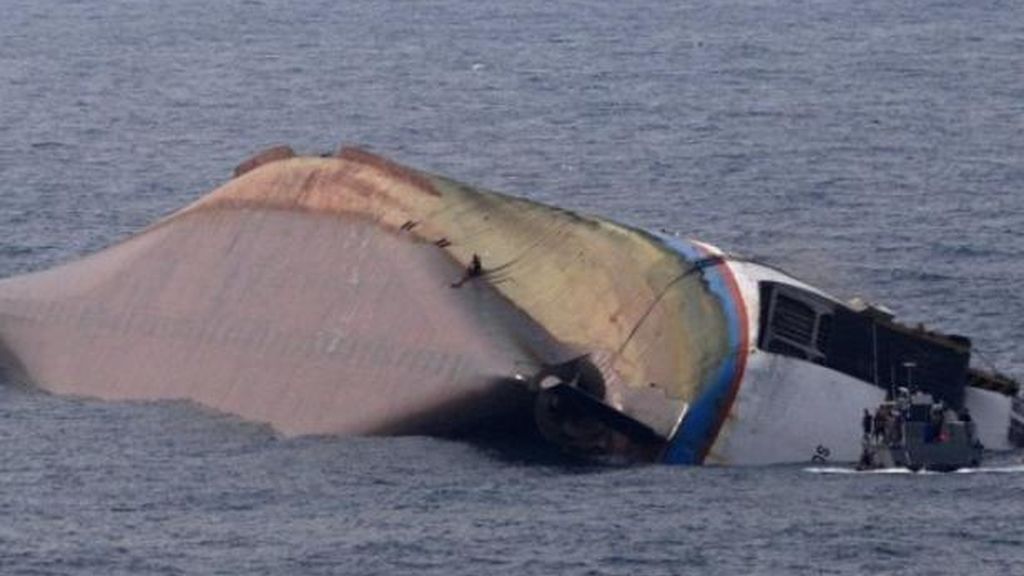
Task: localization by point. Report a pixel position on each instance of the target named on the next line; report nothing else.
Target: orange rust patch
(393, 169)
(345, 178)
(265, 157)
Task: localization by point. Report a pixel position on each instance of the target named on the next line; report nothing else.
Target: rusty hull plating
(316, 294)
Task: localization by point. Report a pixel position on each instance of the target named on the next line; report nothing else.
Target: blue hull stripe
(704, 418)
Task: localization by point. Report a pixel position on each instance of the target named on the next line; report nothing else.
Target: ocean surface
(875, 148)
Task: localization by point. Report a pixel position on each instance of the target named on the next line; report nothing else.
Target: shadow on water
(515, 441)
(12, 371)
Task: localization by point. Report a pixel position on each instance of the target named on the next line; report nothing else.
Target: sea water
(873, 148)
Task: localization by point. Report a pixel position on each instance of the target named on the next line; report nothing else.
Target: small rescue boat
(919, 433)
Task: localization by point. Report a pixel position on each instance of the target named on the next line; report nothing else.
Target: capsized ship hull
(352, 295)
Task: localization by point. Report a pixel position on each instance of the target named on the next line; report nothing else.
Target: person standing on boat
(879, 423)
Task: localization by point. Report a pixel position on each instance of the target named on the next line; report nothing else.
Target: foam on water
(981, 470)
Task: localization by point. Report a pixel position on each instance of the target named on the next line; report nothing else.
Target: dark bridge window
(821, 341)
(794, 322)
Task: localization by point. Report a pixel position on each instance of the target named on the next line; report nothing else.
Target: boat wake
(1016, 469)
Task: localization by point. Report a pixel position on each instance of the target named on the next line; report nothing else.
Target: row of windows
(801, 324)
(797, 327)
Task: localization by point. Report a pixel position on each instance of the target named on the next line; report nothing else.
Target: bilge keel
(351, 295)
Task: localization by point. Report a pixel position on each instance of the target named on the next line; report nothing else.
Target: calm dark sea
(875, 148)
